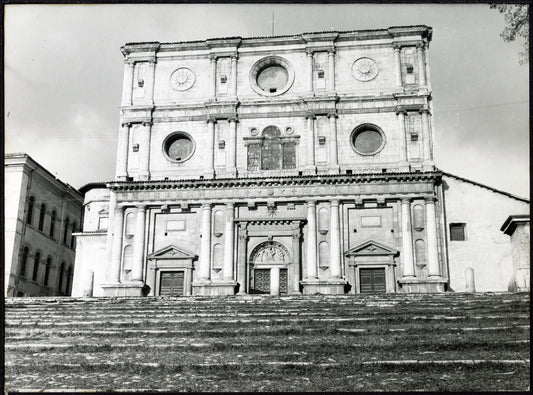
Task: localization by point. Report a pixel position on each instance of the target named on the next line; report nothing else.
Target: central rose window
(367, 139)
(271, 76)
(178, 147)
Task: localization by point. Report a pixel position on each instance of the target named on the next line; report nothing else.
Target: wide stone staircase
(386, 342)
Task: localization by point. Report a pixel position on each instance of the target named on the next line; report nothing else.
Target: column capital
(331, 52)
(309, 52)
(430, 199)
(234, 58)
(140, 207)
(310, 116)
(230, 206)
(334, 202)
(424, 110)
(211, 120)
(311, 203)
(420, 46)
(206, 206)
(128, 124)
(332, 115)
(233, 119)
(129, 62)
(213, 58)
(401, 110)
(152, 62)
(405, 200)
(147, 123)
(397, 47)
(296, 235)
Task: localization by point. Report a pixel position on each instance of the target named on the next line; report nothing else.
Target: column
(426, 132)
(311, 241)
(228, 242)
(242, 257)
(210, 168)
(151, 81)
(296, 237)
(116, 253)
(110, 225)
(398, 66)
(309, 55)
(403, 135)
(331, 71)
(433, 251)
(127, 86)
(421, 64)
(335, 240)
(138, 248)
(122, 151)
(232, 159)
(213, 65)
(234, 76)
(274, 280)
(407, 240)
(334, 156)
(311, 141)
(144, 148)
(205, 244)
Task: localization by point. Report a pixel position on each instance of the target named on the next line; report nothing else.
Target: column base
(122, 177)
(231, 172)
(326, 287)
(403, 166)
(209, 174)
(124, 289)
(426, 285)
(143, 176)
(309, 170)
(211, 288)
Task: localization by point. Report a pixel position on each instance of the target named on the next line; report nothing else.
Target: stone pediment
(171, 252)
(371, 247)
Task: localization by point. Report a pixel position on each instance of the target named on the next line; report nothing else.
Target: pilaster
(138, 261)
(127, 86)
(398, 66)
(407, 240)
(122, 152)
(144, 148)
(433, 251)
(209, 171)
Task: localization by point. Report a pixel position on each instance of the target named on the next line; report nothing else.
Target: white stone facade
(41, 215)
(278, 165)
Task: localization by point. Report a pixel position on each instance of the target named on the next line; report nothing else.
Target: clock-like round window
(271, 76)
(367, 139)
(178, 147)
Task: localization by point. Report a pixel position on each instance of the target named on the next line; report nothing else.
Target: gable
(371, 247)
(172, 252)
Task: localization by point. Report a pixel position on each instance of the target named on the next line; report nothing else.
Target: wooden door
(172, 283)
(261, 281)
(372, 280)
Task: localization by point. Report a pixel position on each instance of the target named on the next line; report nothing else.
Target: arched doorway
(268, 265)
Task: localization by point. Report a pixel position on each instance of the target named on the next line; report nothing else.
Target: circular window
(271, 76)
(178, 147)
(367, 139)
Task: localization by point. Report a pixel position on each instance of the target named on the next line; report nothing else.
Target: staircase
(386, 342)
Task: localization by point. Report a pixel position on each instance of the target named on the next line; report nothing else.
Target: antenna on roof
(272, 22)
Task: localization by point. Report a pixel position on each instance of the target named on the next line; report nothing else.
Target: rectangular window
(371, 222)
(457, 232)
(289, 156)
(175, 225)
(102, 223)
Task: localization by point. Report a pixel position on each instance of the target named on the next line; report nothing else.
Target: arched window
(69, 280)
(24, 261)
(65, 230)
(418, 217)
(420, 252)
(47, 270)
(52, 223)
(36, 262)
(271, 149)
(218, 229)
(323, 221)
(41, 216)
(72, 238)
(60, 274)
(272, 153)
(130, 224)
(29, 215)
(323, 254)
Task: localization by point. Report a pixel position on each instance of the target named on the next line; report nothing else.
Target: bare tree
(517, 19)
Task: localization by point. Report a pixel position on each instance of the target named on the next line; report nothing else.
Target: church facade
(273, 165)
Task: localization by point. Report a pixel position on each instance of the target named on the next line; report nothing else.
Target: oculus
(367, 139)
(178, 147)
(271, 76)
(182, 79)
(365, 69)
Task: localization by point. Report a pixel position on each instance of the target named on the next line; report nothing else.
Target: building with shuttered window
(277, 165)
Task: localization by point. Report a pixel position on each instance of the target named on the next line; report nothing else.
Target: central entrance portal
(269, 263)
(262, 282)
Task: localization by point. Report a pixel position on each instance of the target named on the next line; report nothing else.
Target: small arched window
(65, 230)
(323, 220)
(130, 224)
(69, 280)
(72, 238)
(418, 217)
(52, 223)
(47, 270)
(36, 263)
(41, 216)
(60, 274)
(29, 215)
(218, 229)
(24, 261)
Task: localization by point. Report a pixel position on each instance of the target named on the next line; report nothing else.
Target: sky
(63, 74)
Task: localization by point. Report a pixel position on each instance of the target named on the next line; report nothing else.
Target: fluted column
(144, 148)
(420, 52)
(334, 157)
(205, 244)
(228, 242)
(127, 86)
(331, 71)
(138, 249)
(213, 84)
(426, 132)
(296, 238)
(398, 66)
(310, 142)
(232, 151)
(151, 81)
(309, 55)
(407, 240)
(311, 241)
(122, 152)
(403, 135)
(116, 255)
(210, 159)
(242, 257)
(234, 75)
(433, 251)
(335, 240)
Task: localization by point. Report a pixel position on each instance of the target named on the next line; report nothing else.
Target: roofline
(444, 173)
(510, 223)
(92, 185)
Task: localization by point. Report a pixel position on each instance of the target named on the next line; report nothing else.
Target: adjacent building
(283, 165)
(41, 213)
